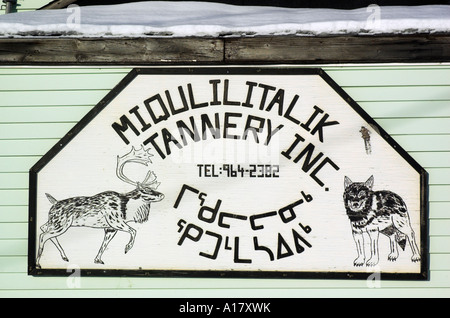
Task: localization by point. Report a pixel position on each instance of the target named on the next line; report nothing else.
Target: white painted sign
(247, 172)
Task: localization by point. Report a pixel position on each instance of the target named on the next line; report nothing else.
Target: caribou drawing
(109, 210)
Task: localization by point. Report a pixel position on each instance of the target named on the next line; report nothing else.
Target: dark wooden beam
(339, 49)
(226, 50)
(103, 51)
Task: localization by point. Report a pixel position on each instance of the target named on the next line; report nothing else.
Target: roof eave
(57, 4)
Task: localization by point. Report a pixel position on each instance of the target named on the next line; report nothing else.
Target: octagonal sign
(228, 172)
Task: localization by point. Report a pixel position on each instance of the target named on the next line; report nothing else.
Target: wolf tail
(401, 239)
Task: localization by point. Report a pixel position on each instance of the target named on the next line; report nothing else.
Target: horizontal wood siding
(289, 49)
(39, 105)
(26, 5)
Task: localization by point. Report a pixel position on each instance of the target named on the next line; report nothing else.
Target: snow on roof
(203, 19)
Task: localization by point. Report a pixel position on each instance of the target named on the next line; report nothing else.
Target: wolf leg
(373, 234)
(415, 250)
(401, 222)
(359, 241)
(393, 255)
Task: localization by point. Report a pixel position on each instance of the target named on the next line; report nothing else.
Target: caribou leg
(109, 234)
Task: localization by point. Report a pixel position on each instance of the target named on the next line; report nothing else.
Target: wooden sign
(228, 172)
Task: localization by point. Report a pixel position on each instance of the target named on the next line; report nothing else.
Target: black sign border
(226, 70)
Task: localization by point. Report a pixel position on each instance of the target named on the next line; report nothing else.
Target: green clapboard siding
(27, 5)
(39, 105)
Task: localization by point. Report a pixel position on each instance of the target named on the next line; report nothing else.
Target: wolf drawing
(377, 212)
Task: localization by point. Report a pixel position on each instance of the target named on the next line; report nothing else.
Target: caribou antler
(141, 156)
